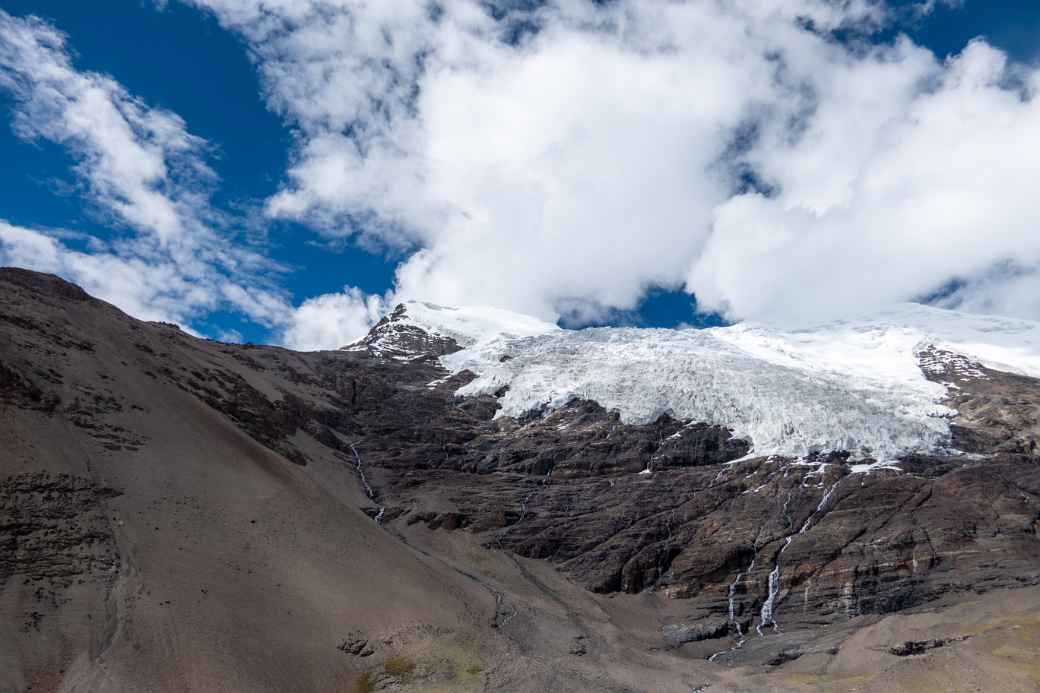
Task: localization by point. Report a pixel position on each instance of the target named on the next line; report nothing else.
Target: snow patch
(874, 467)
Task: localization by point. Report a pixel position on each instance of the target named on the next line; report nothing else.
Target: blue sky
(181, 59)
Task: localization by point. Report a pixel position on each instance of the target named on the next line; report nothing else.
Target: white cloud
(910, 174)
(573, 169)
(331, 321)
(566, 172)
(147, 289)
(926, 7)
(563, 171)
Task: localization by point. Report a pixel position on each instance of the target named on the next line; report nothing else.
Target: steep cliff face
(448, 502)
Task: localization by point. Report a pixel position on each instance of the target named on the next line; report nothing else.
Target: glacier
(854, 385)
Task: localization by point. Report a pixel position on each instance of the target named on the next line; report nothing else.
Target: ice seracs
(854, 385)
(697, 375)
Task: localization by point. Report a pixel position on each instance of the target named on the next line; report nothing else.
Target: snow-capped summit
(471, 325)
(416, 329)
(854, 385)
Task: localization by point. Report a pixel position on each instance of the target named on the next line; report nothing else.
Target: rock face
(678, 634)
(669, 509)
(998, 412)
(393, 337)
(54, 533)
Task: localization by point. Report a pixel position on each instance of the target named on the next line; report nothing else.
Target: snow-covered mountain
(142, 460)
(858, 385)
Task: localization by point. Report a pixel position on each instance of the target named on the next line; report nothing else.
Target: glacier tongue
(851, 385)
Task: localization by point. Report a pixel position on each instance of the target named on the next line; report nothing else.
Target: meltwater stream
(369, 491)
(767, 617)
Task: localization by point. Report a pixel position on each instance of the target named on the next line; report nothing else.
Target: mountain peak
(417, 330)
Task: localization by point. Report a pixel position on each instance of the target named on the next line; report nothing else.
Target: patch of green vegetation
(400, 668)
(475, 670)
(365, 684)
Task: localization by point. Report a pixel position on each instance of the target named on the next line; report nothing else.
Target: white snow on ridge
(877, 344)
(848, 385)
(472, 325)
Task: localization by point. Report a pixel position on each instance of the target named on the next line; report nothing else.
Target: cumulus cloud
(561, 159)
(911, 174)
(332, 320)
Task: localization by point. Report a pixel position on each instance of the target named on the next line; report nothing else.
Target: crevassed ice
(695, 375)
(849, 385)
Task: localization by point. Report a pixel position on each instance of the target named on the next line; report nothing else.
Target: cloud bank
(774, 158)
(559, 160)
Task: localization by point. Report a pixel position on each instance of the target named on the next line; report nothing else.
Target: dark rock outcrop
(911, 648)
(53, 530)
(678, 634)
